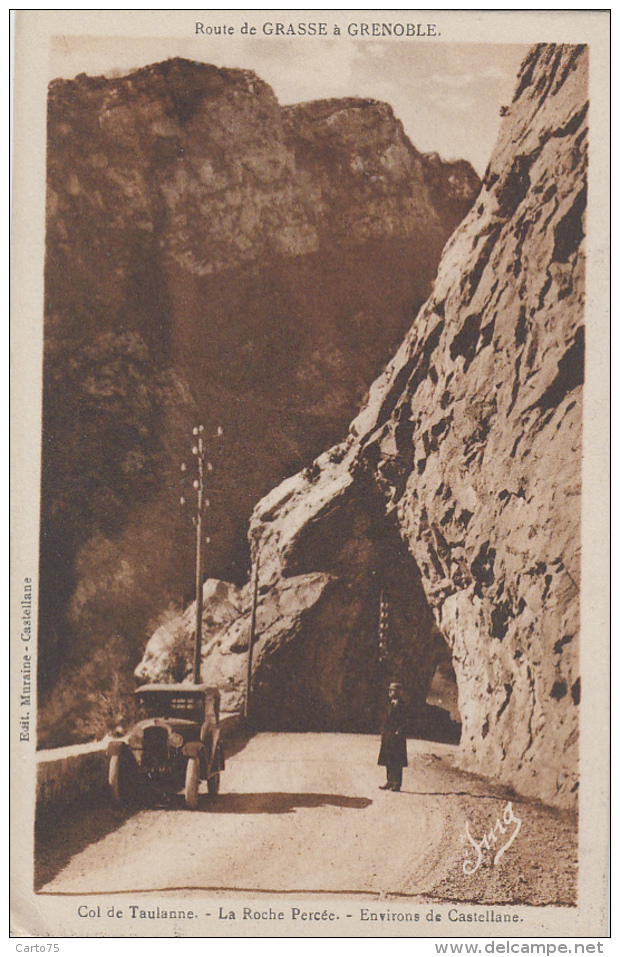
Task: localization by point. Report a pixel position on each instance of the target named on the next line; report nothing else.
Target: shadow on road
(234, 744)
(277, 802)
(61, 836)
(62, 832)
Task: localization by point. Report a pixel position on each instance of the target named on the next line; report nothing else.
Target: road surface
(303, 813)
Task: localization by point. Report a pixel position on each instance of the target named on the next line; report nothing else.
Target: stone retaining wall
(71, 774)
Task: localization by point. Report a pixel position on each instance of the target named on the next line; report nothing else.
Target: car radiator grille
(155, 748)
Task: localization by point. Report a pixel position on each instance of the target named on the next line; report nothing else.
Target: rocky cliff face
(474, 437)
(211, 257)
(456, 495)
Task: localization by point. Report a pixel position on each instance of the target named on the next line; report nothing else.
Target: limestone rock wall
(474, 436)
(472, 439)
(457, 491)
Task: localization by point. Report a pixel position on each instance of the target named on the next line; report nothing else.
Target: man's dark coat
(393, 740)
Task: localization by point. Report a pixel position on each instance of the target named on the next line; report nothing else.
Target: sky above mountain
(447, 95)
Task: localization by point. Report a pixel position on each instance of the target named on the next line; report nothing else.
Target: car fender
(217, 763)
(116, 747)
(193, 749)
(214, 754)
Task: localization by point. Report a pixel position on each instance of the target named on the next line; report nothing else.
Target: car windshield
(165, 704)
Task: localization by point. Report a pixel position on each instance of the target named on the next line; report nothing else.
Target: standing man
(393, 753)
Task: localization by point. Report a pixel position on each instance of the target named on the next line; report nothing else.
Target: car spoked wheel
(192, 782)
(213, 784)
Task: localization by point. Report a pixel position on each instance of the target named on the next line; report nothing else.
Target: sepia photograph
(310, 373)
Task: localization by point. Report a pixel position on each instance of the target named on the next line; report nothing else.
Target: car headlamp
(176, 740)
(135, 738)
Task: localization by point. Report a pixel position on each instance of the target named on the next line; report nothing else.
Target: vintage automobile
(175, 743)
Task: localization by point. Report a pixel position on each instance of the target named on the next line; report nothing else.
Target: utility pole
(383, 629)
(248, 683)
(200, 457)
(203, 502)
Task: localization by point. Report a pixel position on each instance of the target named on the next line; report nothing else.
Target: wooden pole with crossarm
(248, 683)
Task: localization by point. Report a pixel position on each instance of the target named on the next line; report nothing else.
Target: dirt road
(304, 813)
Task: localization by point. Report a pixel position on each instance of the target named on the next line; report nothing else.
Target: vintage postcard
(310, 369)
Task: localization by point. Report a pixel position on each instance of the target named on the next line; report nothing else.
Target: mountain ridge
(202, 266)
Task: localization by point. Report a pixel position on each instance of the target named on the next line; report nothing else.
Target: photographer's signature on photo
(503, 833)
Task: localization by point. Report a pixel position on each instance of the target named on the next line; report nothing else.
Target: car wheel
(192, 780)
(213, 784)
(114, 778)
